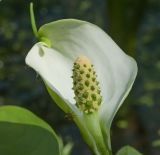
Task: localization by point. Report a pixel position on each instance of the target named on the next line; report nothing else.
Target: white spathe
(71, 38)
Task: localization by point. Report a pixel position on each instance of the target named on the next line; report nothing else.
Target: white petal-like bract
(71, 38)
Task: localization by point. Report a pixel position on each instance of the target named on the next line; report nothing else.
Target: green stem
(93, 125)
(80, 122)
(33, 23)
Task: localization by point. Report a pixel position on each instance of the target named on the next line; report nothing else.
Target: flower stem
(33, 23)
(92, 122)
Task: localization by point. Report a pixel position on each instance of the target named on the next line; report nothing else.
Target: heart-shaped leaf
(23, 133)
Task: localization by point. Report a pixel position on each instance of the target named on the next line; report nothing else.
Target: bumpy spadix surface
(86, 86)
(71, 38)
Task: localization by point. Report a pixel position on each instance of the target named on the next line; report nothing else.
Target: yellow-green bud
(85, 86)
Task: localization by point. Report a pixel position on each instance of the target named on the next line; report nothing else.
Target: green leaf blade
(23, 133)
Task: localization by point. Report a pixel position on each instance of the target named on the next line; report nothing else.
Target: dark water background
(133, 24)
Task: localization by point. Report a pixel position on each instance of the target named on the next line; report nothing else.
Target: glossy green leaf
(23, 133)
(128, 150)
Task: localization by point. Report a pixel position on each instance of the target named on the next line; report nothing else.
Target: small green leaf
(21, 132)
(67, 148)
(128, 150)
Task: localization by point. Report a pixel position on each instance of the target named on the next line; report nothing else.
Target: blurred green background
(133, 24)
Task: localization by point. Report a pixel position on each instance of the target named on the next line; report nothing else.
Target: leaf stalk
(33, 23)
